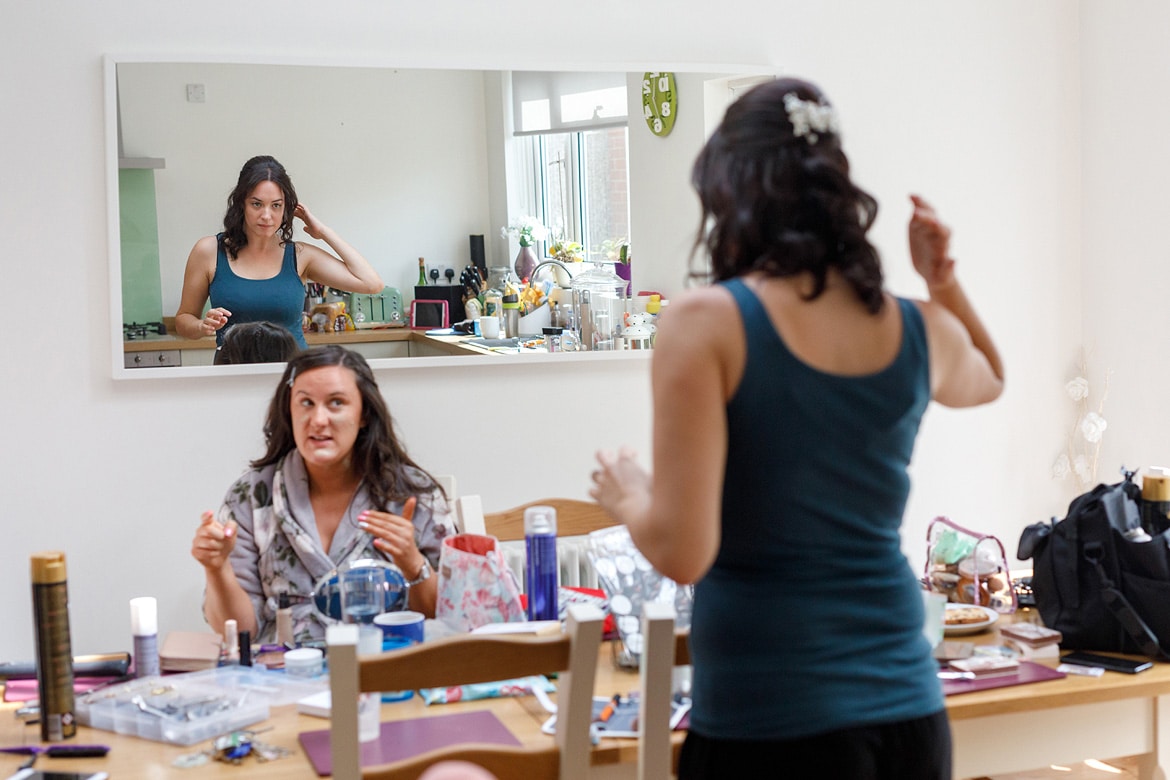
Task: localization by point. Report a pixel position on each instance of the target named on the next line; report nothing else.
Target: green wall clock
(659, 102)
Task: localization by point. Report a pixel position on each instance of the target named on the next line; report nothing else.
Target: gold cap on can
(48, 568)
(1156, 484)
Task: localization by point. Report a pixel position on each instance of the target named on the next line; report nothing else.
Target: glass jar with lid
(501, 278)
(599, 307)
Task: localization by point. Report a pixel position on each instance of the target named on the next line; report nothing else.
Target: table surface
(1068, 691)
(132, 757)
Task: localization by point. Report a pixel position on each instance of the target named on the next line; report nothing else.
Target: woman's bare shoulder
(203, 254)
(709, 301)
(207, 244)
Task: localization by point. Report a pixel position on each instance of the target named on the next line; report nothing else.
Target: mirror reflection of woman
(335, 485)
(254, 271)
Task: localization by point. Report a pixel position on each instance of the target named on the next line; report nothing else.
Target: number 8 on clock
(659, 102)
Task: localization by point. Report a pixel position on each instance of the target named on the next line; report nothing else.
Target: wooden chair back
(665, 648)
(574, 518)
(462, 660)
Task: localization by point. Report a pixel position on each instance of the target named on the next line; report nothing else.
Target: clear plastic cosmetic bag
(967, 567)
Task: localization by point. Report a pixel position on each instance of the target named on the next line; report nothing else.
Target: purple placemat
(405, 738)
(1029, 673)
(26, 690)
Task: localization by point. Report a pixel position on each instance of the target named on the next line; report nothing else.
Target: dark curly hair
(256, 342)
(378, 457)
(259, 169)
(774, 202)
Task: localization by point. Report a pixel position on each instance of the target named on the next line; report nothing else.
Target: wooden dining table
(1062, 721)
(995, 731)
(135, 758)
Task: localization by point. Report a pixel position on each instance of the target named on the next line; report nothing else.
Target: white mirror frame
(117, 365)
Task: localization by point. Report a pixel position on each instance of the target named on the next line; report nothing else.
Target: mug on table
(406, 624)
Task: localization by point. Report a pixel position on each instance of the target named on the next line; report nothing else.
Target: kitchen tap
(542, 264)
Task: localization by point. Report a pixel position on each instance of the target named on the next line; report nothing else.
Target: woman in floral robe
(334, 485)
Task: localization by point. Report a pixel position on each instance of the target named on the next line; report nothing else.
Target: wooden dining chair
(448, 483)
(574, 517)
(463, 660)
(665, 648)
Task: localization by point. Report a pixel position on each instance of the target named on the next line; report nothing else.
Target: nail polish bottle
(284, 622)
(245, 648)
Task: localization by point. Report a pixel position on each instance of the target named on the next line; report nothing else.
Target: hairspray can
(1156, 500)
(540, 582)
(54, 651)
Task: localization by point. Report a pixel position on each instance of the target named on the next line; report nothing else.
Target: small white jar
(304, 662)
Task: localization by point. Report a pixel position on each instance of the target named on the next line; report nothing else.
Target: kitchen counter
(365, 336)
(172, 350)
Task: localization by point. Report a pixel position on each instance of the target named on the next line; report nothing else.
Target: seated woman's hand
(394, 535)
(214, 542)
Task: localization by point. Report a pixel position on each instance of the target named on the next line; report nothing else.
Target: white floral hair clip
(809, 118)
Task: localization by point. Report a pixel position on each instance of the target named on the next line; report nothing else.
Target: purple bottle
(540, 581)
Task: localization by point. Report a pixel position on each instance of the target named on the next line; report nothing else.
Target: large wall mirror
(403, 162)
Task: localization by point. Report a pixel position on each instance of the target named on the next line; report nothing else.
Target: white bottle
(231, 643)
(144, 627)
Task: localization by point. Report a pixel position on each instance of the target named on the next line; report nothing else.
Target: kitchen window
(571, 155)
(578, 185)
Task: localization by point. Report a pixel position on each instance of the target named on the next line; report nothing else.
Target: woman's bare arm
(965, 366)
(673, 517)
(348, 271)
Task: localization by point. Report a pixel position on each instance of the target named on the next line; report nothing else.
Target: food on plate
(964, 616)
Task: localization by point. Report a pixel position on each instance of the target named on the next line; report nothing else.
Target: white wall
(975, 104)
(1126, 292)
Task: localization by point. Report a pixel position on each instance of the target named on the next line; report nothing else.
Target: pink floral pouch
(476, 587)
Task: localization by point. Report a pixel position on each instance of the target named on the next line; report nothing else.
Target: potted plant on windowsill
(621, 266)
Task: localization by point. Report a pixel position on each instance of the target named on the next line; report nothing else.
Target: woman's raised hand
(930, 242)
(394, 535)
(313, 226)
(214, 542)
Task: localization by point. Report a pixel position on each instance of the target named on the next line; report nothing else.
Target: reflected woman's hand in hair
(348, 270)
(313, 226)
(930, 242)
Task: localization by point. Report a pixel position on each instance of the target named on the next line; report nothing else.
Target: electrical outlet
(196, 93)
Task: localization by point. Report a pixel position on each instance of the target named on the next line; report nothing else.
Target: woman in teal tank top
(787, 399)
(253, 271)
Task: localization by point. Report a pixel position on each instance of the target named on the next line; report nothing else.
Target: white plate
(971, 628)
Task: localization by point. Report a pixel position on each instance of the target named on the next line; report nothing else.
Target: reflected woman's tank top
(280, 299)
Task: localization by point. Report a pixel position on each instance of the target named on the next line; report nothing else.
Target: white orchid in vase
(527, 230)
(1083, 445)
